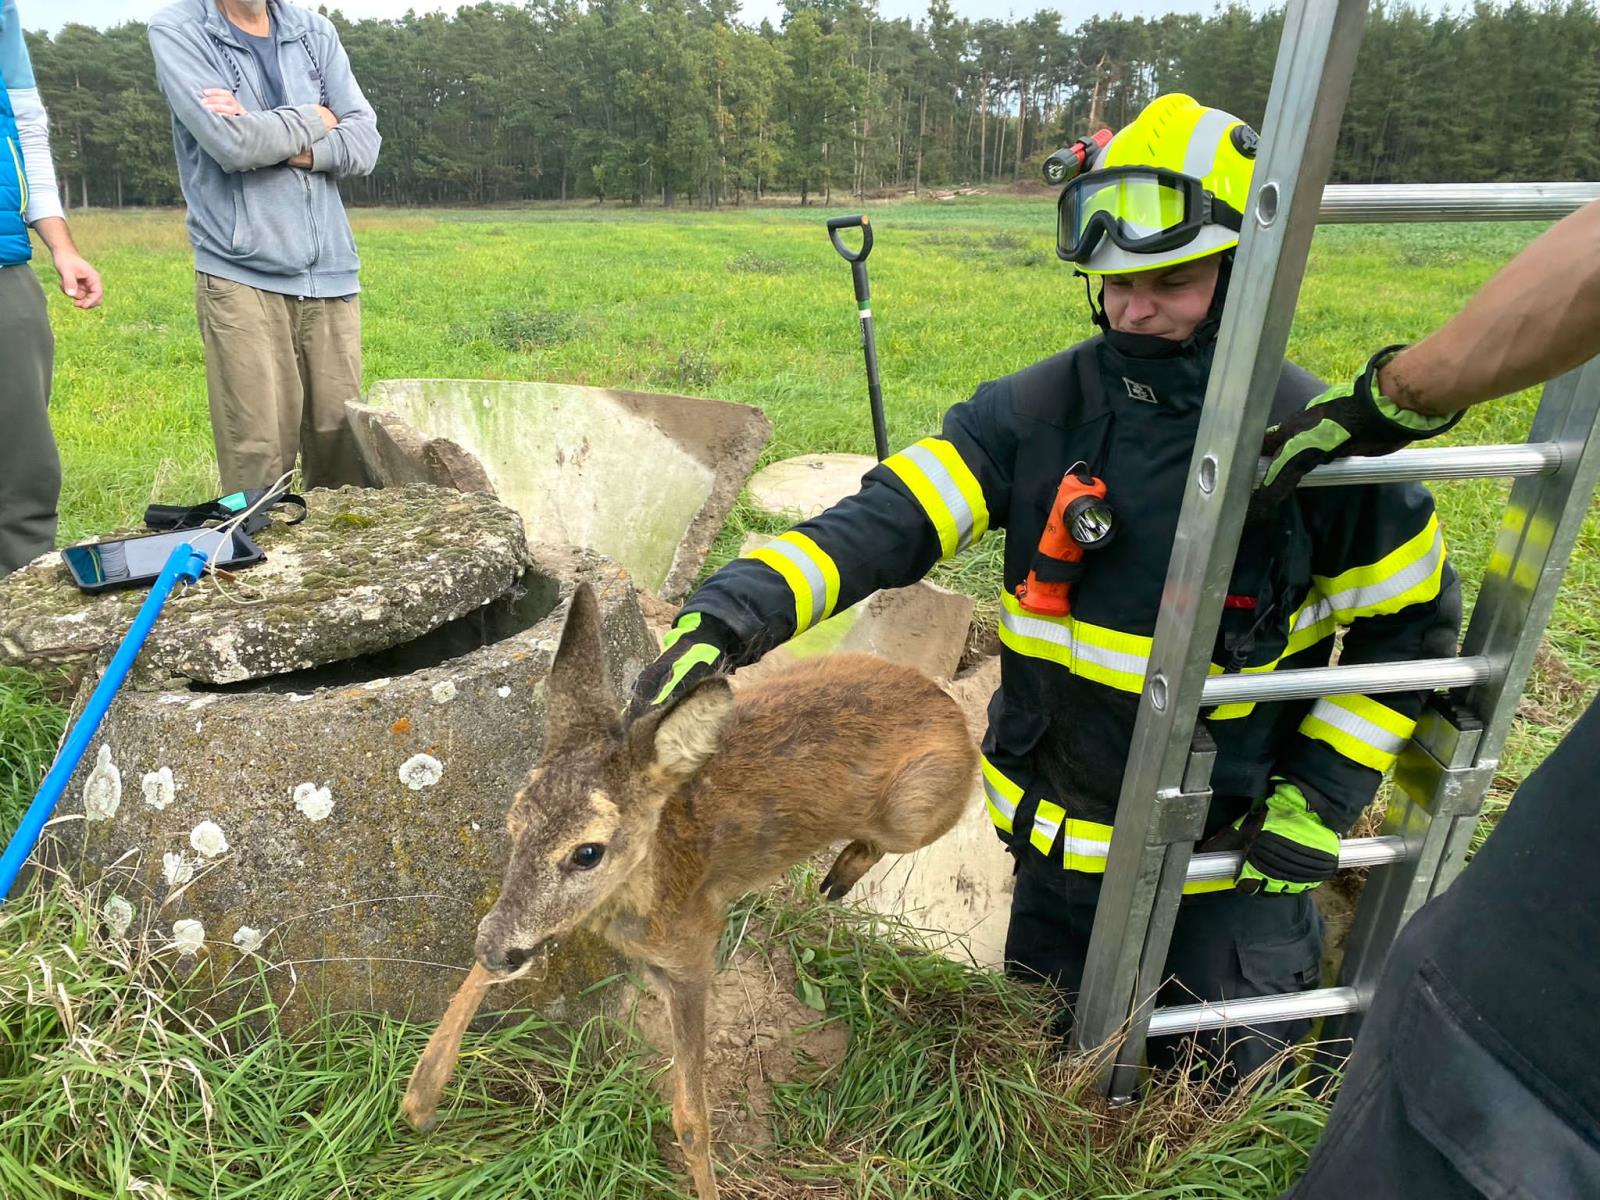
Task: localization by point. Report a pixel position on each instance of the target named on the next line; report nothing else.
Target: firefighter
(1152, 228)
(1477, 1071)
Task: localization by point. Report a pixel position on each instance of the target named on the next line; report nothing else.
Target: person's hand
(329, 117)
(303, 159)
(1351, 418)
(1286, 846)
(222, 102)
(79, 280)
(695, 648)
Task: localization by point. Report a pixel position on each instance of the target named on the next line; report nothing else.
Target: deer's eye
(587, 856)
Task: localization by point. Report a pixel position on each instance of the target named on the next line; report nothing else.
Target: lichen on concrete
(373, 906)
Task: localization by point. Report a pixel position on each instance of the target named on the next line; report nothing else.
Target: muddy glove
(1353, 418)
(695, 648)
(1286, 846)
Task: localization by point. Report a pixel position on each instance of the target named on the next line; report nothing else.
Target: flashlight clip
(1080, 519)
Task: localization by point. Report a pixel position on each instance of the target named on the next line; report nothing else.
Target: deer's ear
(582, 704)
(684, 739)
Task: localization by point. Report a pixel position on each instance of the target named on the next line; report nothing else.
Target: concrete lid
(804, 486)
(367, 570)
(642, 478)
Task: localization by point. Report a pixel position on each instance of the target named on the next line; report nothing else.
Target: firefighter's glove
(1286, 846)
(695, 648)
(1352, 418)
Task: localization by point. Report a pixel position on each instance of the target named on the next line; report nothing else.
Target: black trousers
(1224, 946)
(30, 471)
(1477, 1072)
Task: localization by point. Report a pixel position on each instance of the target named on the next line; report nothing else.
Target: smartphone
(131, 562)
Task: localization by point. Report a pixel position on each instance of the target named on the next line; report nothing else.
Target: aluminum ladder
(1444, 773)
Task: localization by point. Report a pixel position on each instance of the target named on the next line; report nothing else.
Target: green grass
(108, 1088)
(950, 1091)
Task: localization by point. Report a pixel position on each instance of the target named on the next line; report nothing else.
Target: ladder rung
(1370, 203)
(1437, 462)
(1413, 675)
(1255, 1010)
(1353, 852)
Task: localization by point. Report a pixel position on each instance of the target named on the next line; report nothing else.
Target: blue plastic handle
(185, 563)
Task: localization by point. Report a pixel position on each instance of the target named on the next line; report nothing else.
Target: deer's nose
(501, 961)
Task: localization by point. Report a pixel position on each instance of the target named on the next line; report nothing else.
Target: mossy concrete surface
(366, 570)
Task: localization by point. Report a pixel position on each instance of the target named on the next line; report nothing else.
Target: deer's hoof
(422, 1122)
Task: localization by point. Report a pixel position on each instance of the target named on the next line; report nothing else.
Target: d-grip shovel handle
(837, 223)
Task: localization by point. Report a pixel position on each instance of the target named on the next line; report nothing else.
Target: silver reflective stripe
(1371, 595)
(997, 798)
(1042, 824)
(1049, 631)
(939, 476)
(804, 564)
(1309, 616)
(1087, 847)
(1201, 154)
(1358, 727)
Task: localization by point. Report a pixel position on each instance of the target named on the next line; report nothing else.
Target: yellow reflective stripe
(1046, 824)
(1107, 656)
(1209, 885)
(1002, 796)
(1096, 652)
(1086, 846)
(1407, 575)
(965, 482)
(1359, 728)
(1232, 712)
(946, 490)
(808, 570)
(1311, 623)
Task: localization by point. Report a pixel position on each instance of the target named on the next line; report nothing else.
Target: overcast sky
(53, 14)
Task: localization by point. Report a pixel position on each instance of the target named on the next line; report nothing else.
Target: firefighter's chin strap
(1204, 333)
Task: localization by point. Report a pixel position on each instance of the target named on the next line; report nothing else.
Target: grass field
(106, 1092)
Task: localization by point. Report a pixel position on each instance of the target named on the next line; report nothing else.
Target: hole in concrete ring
(533, 598)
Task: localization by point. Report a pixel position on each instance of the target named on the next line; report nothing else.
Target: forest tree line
(681, 102)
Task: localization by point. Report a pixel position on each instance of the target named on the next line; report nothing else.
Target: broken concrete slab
(337, 842)
(333, 587)
(923, 626)
(800, 488)
(642, 478)
(958, 890)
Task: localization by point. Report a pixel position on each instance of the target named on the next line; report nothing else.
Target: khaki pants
(30, 471)
(278, 371)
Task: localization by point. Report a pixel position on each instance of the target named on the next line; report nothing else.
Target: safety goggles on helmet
(1144, 210)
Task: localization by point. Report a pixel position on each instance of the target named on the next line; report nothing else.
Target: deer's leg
(686, 1000)
(438, 1061)
(854, 861)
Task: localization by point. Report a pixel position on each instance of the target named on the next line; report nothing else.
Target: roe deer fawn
(647, 830)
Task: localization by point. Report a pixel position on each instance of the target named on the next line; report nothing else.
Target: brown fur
(712, 799)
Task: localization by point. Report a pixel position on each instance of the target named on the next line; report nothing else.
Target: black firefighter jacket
(1370, 559)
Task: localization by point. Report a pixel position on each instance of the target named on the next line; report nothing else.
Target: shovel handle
(837, 223)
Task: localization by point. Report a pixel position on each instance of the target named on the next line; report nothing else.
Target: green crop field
(951, 1089)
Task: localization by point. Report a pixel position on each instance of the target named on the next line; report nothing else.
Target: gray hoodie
(251, 218)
